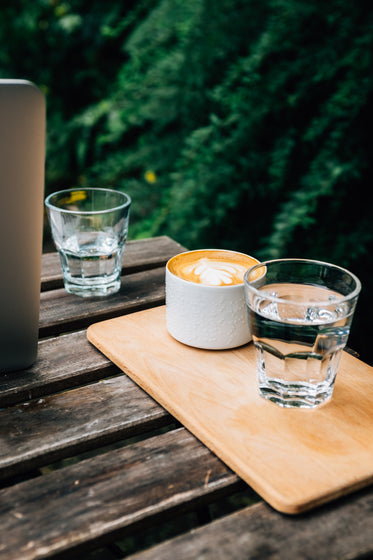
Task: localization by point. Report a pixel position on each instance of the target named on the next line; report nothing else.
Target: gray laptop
(22, 162)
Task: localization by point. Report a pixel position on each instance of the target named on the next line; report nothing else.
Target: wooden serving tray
(295, 459)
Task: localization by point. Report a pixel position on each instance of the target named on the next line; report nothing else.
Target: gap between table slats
(342, 531)
(62, 362)
(102, 498)
(69, 423)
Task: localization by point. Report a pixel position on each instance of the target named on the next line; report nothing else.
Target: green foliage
(291, 140)
(234, 123)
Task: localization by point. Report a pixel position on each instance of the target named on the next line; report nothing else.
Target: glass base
(90, 291)
(296, 395)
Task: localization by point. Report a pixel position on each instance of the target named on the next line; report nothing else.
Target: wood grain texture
(63, 312)
(42, 431)
(341, 532)
(62, 362)
(97, 499)
(295, 459)
(139, 255)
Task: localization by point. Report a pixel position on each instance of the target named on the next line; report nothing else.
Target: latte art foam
(214, 273)
(212, 267)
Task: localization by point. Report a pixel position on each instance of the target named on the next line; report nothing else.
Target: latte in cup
(212, 267)
(205, 302)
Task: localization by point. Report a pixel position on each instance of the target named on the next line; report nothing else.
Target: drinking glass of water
(300, 313)
(89, 228)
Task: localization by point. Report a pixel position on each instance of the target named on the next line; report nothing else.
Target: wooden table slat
(63, 312)
(96, 499)
(69, 423)
(260, 532)
(139, 255)
(62, 362)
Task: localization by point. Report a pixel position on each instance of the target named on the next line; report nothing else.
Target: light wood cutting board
(295, 459)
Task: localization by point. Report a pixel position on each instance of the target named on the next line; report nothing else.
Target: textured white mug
(207, 310)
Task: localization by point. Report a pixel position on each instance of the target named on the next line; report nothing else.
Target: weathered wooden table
(91, 466)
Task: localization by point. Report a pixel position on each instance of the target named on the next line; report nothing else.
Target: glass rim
(276, 299)
(126, 202)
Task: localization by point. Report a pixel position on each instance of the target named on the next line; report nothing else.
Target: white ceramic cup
(205, 300)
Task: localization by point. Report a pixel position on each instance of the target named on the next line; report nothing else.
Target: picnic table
(92, 467)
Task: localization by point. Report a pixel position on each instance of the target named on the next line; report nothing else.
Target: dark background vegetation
(243, 124)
